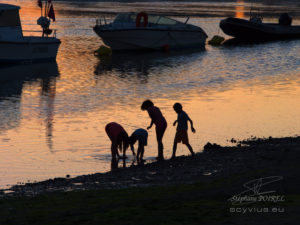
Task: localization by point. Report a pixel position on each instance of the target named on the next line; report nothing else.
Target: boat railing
(53, 34)
(103, 21)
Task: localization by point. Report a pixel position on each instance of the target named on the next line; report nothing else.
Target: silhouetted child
(119, 139)
(182, 127)
(140, 135)
(160, 124)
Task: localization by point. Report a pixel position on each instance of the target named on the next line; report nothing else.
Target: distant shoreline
(146, 1)
(209, 1)
(183, 8)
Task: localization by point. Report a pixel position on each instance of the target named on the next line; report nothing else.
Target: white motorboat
(15, 47)
(136, 31)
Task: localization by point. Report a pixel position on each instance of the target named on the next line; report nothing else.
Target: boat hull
(244, 29)
(151, 39)
(31, 49)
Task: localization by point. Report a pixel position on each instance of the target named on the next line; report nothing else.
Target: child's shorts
(181, 136)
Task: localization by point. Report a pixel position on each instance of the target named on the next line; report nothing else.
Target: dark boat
(255, 29)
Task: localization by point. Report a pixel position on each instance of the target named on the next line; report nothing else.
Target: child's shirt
(156, 115)
(182, 119)
(113, 130)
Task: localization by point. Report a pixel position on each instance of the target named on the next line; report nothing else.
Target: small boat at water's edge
(142, 31)
(15, 47)
(255, 29)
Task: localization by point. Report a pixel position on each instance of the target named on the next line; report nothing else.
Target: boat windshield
(166, 21)
(9, 18)
(125, 18)
(152, 19)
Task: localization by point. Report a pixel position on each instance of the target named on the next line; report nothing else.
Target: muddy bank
(255, 158)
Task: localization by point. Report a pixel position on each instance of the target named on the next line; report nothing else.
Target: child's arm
(151, 124)
(192, 127)
(132, 149)
(175, 122)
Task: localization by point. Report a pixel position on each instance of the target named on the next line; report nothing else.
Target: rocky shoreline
(249, 159)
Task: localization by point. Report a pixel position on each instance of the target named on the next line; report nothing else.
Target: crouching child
(140, 135)
(119, 139)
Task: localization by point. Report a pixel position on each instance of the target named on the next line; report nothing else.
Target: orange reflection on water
(240, 9)
(30, 10)
(50, 142)
(29, 14)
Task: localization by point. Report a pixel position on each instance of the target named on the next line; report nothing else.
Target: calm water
(52, 116)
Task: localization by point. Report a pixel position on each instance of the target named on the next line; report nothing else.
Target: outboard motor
(44, 22)
(285, 20)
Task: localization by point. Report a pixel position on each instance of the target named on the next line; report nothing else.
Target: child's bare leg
(124, 151)
(174, 149)
(117, 151)
(142, 152)
(114, 163)
(124, 163)
(133, 153)
(114, 150)
(191, 149)
(159, 136)
(138, 154)
(160, 150)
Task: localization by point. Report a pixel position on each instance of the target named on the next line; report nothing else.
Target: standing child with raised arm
(160, 125)
(182, 127)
